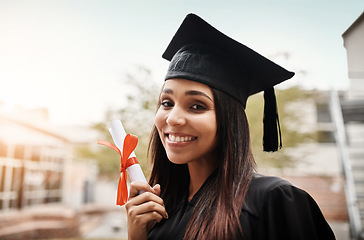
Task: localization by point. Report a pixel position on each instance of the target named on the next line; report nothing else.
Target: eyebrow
(167, 90)
(189, 93)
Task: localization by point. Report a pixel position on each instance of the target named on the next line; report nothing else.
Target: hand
(143, 210)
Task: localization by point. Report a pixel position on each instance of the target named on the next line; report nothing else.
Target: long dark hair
(216, 214)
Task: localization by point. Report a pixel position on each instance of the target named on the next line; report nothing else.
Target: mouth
(180, 139)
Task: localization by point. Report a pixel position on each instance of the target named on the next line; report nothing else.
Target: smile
(174, 138)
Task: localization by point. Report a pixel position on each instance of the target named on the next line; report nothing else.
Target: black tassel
(271, 125)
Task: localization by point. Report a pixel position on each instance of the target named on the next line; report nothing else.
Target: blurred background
(67, 68)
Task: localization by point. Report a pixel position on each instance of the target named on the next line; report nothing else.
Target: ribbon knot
(126, 161)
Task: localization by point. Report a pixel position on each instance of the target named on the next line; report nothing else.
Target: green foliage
(291, 103)
(137, 116)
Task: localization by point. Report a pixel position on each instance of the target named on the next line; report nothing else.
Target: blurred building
(32, 163)
(349, 125)
(332, 169)
(42, 188)
(354, 45)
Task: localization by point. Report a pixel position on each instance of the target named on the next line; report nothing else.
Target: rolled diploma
(118, 134)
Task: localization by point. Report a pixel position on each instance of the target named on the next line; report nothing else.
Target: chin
(177, 160)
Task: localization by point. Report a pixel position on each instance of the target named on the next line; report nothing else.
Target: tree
(292, 124)
(137, 117)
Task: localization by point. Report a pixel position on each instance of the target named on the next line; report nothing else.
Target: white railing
(341, 141)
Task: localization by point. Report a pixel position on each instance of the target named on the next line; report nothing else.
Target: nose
(176, 117)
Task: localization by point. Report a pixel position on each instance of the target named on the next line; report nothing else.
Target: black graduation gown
(273, 209)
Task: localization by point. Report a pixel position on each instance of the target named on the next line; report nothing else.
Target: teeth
(173, 138)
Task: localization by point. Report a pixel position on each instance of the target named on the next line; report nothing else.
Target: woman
(203, 178)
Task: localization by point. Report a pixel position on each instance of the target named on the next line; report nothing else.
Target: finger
(146, 202)
(148, 217)
(135, 187)
(152, 209)
(157, 189)
(147, 197)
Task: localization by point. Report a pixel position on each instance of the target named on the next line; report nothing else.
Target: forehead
(187, 85)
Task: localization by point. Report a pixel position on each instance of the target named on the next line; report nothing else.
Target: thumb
(157, 189)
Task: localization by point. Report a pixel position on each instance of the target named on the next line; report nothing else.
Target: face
(186, 121)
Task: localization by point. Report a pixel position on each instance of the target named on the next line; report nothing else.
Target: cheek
(208, 125)
(159, 120)
(212, 133)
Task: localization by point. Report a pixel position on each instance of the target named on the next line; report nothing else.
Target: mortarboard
(199, 52)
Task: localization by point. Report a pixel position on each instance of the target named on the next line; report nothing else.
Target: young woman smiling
(186, 123)
(203, 177)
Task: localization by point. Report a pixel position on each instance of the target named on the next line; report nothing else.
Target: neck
(199, 172)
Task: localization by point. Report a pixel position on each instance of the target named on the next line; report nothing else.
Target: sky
(72, 56)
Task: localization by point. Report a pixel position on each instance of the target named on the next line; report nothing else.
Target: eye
(198, 107)
(166, 104)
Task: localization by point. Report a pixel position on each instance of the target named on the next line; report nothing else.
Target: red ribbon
(130, 143)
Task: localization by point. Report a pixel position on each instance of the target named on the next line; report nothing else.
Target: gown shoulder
(276, 209)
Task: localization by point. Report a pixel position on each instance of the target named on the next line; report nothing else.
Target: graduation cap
(199, 52)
